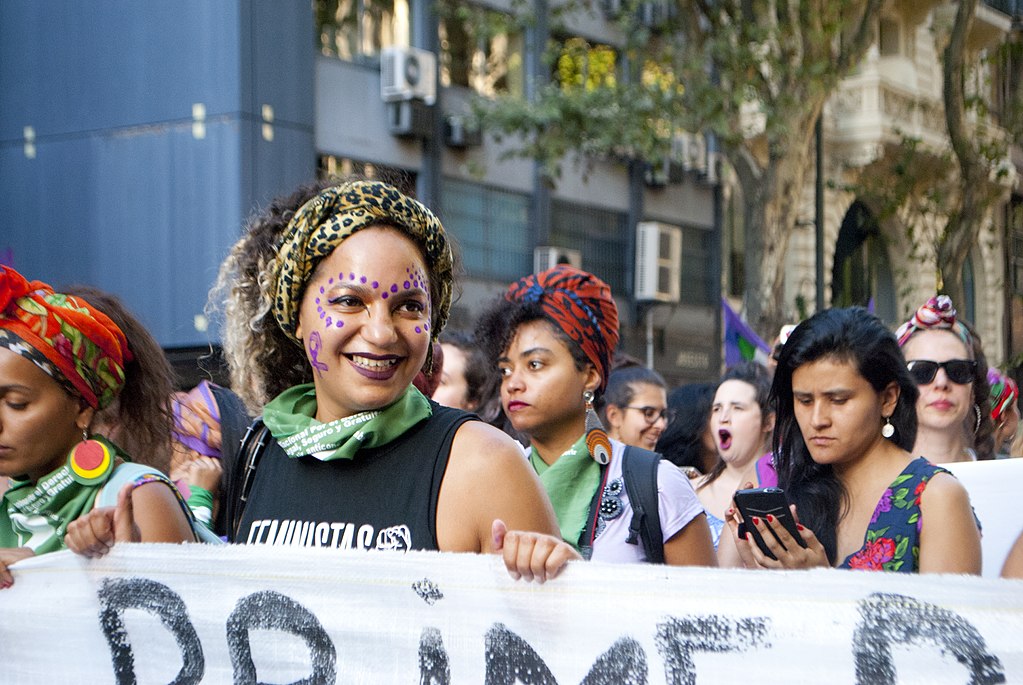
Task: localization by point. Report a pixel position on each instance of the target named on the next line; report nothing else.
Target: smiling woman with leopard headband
(334, 298)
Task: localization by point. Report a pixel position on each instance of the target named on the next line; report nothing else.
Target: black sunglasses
(961, 371)
(652, 414)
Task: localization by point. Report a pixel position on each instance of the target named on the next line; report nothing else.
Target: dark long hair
(856, 336)
(681, 443)
(754, 374)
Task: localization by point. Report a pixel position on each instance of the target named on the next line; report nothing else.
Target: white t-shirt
(677, 506)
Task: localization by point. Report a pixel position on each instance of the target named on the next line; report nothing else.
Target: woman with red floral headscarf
(62, 361)
(552, 338)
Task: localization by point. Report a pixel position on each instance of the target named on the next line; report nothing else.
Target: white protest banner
(247, 614)
(994, 488)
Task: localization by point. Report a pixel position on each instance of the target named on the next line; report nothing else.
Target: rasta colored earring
(888, 430)
(597, 441)
(90, 461)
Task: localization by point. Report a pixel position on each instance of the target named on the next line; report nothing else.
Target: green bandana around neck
(291, 419)
(570, 482)
(36, 515)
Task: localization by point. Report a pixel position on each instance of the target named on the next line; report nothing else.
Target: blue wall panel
(69, 66)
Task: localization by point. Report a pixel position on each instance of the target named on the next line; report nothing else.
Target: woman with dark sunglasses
(846, 422)
(946, 361)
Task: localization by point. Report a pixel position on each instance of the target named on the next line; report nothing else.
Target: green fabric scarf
(36, 515)
(290, 418)
(570, 482)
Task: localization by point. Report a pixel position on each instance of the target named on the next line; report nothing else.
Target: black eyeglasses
(961, 371)
(652, 414)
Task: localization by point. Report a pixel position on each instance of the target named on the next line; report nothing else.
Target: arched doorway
(861, 270)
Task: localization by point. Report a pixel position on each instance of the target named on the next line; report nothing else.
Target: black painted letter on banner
(434, 668)
(887, 619)
(116, 596)
(678, 638)
(273, 611)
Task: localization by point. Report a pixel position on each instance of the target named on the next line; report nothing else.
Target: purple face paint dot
(407, 285)
(394, 287)
(351, 277)
(362, 279)
(340, 324)
(426, 326)
(330, 281)
(375, 284)
(317, 300)
(328, 321)
(418, 329)
(322, 290)
(384, 295)
(322, 313)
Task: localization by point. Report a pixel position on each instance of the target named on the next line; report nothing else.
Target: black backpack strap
(253, 446)
(639, 471)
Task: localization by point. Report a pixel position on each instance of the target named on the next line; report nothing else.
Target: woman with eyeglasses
(552, 338)
(846, 423)
(741, 421)
(636, 406)
(947, 362)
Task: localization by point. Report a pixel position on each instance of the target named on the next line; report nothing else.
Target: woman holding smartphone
(845, 421)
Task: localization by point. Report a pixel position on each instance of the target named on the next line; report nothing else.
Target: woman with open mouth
(552, 338)
(846, 420)
(948, 364)
(741, 422)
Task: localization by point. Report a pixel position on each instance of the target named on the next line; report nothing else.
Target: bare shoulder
(479, 447)
(944, 489)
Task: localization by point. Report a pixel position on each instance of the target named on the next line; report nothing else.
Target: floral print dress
(893, 535)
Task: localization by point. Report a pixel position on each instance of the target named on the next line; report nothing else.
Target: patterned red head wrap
(581, 305)
(75, 344)
(937, 313)
(1004, 393)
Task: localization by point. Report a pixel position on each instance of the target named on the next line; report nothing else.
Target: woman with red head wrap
(61, 361)
(552, 339)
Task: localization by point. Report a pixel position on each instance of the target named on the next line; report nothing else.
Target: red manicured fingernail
(756, 521)
(730, 511)
(770, 518)
(800, 526)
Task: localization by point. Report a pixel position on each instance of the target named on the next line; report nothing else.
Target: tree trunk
(964, 222)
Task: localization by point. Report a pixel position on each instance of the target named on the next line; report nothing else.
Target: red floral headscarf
(581, 305)
(77, 345)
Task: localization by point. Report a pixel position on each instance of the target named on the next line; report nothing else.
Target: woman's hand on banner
(531, 556)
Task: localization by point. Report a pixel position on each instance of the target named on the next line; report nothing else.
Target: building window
(483, 50)
(1015, 233)
(581, 64)
(357, 30)
(888, 39)
(599, 235)
(697, 279)
(333, 167)
(491, 229)
(735, 241)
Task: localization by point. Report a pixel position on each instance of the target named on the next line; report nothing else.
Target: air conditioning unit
(547, 256)
(658, 262)
(408, 74)
(461, 131)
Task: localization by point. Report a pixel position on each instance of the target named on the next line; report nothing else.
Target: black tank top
(384, 498)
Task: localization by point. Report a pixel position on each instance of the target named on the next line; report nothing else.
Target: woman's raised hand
(94, 534)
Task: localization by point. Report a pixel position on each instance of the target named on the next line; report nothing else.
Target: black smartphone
(760, 502)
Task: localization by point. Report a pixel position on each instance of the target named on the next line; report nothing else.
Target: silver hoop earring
(888, 430)
(976, 410)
